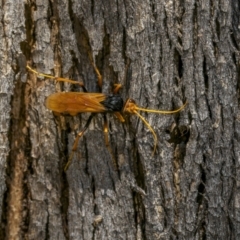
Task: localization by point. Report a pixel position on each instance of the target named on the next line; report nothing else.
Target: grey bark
(163, 53)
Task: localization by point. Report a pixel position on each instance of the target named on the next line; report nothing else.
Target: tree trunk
(163, 53)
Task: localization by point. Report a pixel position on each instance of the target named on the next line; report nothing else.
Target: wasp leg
(59, 79)
(75, 144)
(119, 116)
(116, 88)
(99, 76)
(105, 130)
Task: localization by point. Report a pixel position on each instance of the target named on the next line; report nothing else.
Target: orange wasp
(73, 103)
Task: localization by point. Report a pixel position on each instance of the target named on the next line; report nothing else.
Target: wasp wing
(76, 102)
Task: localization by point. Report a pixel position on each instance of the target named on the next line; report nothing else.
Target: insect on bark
(73, 103)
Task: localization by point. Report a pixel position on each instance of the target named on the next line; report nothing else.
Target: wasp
(74, 103)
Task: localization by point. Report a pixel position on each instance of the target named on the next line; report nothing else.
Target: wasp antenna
(150, 128)
(162, 111)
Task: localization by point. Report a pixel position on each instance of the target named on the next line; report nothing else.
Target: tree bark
(163, 53)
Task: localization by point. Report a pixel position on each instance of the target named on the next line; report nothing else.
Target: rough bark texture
(162, 52)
